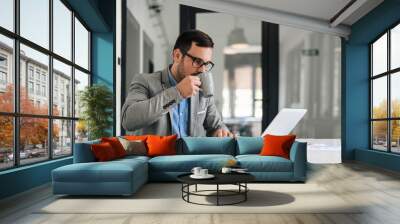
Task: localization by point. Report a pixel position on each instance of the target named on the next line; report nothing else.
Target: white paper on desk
(285, 121)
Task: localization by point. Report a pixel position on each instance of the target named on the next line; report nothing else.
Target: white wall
(118, 80)
(162, 36)
(133, 51)
(311, 81)
(170, 16)
(148, 24)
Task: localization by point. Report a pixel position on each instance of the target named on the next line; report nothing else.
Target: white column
(118, 80)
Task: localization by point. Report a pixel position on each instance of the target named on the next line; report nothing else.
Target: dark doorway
(269, 61)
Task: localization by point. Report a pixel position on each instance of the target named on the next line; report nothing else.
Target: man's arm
(213, 121)
(141, 110)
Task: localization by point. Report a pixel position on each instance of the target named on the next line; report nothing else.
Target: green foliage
(97, 102)
(380, 127)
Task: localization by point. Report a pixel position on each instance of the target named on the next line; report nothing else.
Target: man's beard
(181, 74)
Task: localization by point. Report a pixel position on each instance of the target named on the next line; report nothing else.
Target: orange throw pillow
(277, 145)
(136, 137)
(161, 145)
(103, 151)
(116, 145)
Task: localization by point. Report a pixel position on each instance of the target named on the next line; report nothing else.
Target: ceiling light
(236, 39)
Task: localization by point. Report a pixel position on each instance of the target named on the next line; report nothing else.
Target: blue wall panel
(24, 178)
(357, 99)
(91, 13)
(376, 158)
(103, 62)
(102, 58)
(356, 79)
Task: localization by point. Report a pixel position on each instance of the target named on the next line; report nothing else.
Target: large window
(34, 26)
(7, 14)
(44, 64)
(385, 91)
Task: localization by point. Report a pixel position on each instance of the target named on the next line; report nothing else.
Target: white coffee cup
(203, 172)
(226, 170)
(196, 170)
(207, 85)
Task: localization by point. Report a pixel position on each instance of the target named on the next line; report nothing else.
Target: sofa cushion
(131, 158)
(249, 145)
(209, 145)
(83, 152)
(257, 163)
(185, 163)
(111, 171)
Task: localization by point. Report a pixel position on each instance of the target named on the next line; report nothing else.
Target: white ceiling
(313, 15)
(319, 9)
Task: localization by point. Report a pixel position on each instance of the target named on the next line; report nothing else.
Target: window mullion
(389, 114)
(73, 82)
(371, 97)
(50, 82)
(16, 85)
(89, 54)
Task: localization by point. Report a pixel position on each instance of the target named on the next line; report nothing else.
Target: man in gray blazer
(169, 102)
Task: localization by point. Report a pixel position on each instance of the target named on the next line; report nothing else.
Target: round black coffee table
(238, 179)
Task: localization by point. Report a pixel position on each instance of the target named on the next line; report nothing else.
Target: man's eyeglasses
(198, 62)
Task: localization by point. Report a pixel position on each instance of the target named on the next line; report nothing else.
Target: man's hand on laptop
(222, 133)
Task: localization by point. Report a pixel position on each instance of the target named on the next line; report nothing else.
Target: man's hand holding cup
(189, 86)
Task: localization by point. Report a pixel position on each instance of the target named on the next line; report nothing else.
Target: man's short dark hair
(185, 39)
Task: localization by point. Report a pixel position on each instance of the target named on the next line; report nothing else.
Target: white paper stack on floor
(326, 151)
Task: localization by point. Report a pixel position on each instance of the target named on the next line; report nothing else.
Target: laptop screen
(285, 121)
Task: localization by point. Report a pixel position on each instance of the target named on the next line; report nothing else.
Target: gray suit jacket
(148, 108)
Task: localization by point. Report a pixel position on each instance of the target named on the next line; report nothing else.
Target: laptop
(284, 122)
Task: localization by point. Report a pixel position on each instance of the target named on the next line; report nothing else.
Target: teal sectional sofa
(125, 176)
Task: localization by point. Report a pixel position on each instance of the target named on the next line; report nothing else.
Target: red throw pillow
(116, 145)
(277, 145)
(103, 151)
(161, 145)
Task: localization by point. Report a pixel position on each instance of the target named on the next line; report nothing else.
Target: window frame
(16, 114)
(3, 71)
(3, 74)
(5, 59)
(388, 74)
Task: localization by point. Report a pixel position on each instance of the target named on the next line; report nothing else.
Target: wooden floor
(378, 188)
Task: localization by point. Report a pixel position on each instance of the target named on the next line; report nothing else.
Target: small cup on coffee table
(203, 172)
(196, 170)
